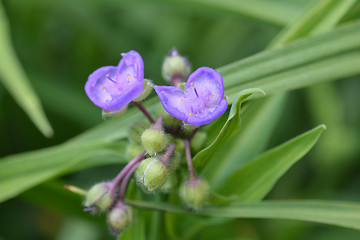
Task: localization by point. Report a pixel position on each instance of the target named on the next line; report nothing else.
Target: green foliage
(59, 44)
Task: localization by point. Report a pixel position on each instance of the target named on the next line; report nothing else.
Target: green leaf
(232, 124)
(343, 214)
(256, 179)
(322, 17)
(23, 171)
(14, 79)
(294, 56)
(268, 11)
(258, 123)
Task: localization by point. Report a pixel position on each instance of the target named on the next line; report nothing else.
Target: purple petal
(112, 88)
(208, 83)
(131, 67)
(208, 114)
(171, 99)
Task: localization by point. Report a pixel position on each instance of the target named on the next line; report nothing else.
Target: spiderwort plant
(157, 149)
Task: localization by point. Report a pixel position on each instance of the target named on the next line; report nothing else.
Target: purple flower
(112, 88)
(201, 101)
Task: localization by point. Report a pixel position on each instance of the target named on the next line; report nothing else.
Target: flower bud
(153, 140)
(133, 150)
(99, 197)
(146, 90)
(175, 68)
(170, 183)
(119, 217)
(198, 141)
(194, 192)
(151, 173)
(136, 129)
(107, 115)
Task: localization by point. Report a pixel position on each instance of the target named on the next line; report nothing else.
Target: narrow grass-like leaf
(14, 79)
(257, 124)
(343, 214)
(324, 16)
(268, 11)
(256, 179)
(293, 56)
(23, 171)
(231, 126)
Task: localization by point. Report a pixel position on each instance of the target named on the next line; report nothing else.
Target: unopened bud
(133, 150)
(151, 173)
(175, 68)
(194, 192)
(107, 115)
(99, 197)
(198, 142)
(119, 217)
(153, 140)
(146, 90)
(136, 129)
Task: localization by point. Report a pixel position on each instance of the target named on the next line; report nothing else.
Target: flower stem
(164, 159)
(124, 171)
(192, 134)
(144, 111)
(125, 182)
(192, 175)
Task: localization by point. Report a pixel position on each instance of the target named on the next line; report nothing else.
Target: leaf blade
(256, 179)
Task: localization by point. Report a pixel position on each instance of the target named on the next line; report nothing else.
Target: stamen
(190, 114)
(191, 84)
(108, 78)
(181, 99)
(102, 88)
(196, 92)
(212, 94)
(128, 78)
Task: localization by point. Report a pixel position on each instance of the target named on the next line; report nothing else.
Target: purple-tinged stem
(124, 171)
(192, 175)
(164, 158)
(192, 134)
(125, 182)
(144, 111)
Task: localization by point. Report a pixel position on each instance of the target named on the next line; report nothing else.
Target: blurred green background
(59, 43)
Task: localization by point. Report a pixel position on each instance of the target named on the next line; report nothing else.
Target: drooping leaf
(13, 77)
(232, 124)
(253, 181)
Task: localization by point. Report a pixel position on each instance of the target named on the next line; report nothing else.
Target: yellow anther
(191, 84)
(108, 79)
(102, 88)
(107, 75)
(128, 78)
(212, 95)
(181, 99)
(190, 114)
